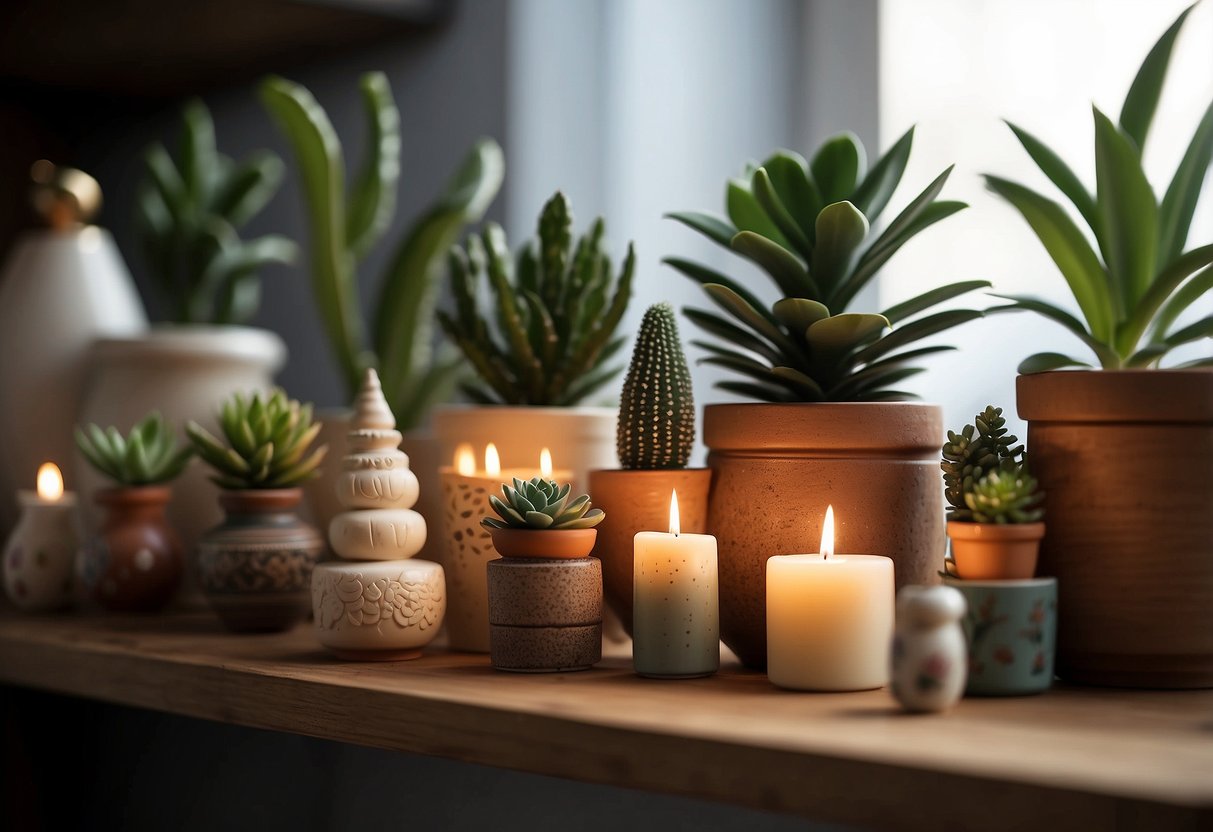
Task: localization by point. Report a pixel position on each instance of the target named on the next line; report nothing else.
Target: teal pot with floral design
(1011, 628)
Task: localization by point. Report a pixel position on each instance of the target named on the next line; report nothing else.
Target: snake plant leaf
(1137, 113)
(798, 314)
(785, 269)
(877, 188)
(735, 305)
(1107, 356)
(714, 228)
(920, 303)
(730, 333)
(1043, 362)
(1061, 175)
(915, 331)
(703, 276)
(1179, 202)
(789, 175)
(1192, 332)
(1128, 211)
(1069, 250)
(841, 228)
(838, 166)
(765, 193)
(372, 199)
(747, 214)
(740, 364)
(1184, 297)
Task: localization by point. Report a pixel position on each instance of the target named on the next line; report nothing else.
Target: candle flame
(827, 534)
(50, 481)
(675, 525)
(465, 460)
(545, 463)
(492, 461)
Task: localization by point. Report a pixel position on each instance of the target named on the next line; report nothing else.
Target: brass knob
(64, 197)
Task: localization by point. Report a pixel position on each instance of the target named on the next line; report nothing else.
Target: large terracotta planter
(776, 467)
(639, 501)
(1125, 459)
(135, 560)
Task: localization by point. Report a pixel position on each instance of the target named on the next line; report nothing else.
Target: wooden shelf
(1072, 758)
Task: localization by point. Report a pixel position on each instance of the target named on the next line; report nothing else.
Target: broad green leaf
(798, 314)
(1192, 332)
(719, 230)
(730, 333)
(1142, 99)
(914, 331)
(1128, 212)
(1199, 363)
(841, 227)
(789, 174)
(703, 276)
(1179, 202)
(832, 338)
(1183, 298)
(1061, 175)
(765, 193)
(899, 312)
(198, 152)
(745, 212)
(241, 194)
(838, 166)
(1164, 287)
(736, 306)
(1042, 362)
(740, 364)
(1148, 356)
(1107, 355)
(784, 268)
(877, 188)
(871, 380)
(372, 200)
(760, 392)
(800, 382)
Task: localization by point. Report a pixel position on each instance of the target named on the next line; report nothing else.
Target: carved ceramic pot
(135, 560)
(256, 566)
(378, 610)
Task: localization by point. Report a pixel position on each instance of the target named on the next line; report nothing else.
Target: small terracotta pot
(639, 501)
(558, 544)
(256, 566)
(995, 551)
(135, 561)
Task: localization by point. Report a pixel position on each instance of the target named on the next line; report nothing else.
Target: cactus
(267, 443)
(656, 426)
(555, 313)
(148, 455)
(1006, 495)
(976, 451)
(541, 504)
(186, 219)
(346, 224)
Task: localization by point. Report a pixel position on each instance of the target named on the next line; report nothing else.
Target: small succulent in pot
(135, 561)
(1006, 495)
(536, 519)
(971, 453)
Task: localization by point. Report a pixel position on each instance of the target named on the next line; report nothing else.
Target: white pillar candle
(829, 619)
(675, 617)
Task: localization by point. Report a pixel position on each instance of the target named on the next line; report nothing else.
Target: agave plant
(1007, 495)
(267, 442)
(346, 224)
(541, 504)
(807, 224)
(1132, 292)
(186, 220)
(973, 452)
(556, 312)
(148, 455)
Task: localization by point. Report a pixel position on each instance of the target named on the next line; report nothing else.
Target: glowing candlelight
(50, 482)
(465, 460)
(545, 463)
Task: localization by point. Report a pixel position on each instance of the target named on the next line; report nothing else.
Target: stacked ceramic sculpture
(377, 603)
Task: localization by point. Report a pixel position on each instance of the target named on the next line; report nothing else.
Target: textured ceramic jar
(256, 566)
(776, 467)
(135, 560)
(929, 662)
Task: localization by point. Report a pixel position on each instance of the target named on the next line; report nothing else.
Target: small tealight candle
(39, 559)
(675, 615)
(829, 618)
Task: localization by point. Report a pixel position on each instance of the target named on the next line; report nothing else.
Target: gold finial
(64, 197)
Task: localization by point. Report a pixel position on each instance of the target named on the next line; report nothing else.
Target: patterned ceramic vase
(134, 562)
(1012, 632)
(929, 662)
(40, 554)
(256, 566)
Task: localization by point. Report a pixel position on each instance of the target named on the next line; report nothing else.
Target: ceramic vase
(929, 661)
(775, 467)
(639, 501)
(134, 561)
(255, 567)
(40, 554)
(1011, 627)
(1124, 459)
(995, 551)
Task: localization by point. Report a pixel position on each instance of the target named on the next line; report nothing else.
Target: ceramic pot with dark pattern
(256, 566)
(135, 561)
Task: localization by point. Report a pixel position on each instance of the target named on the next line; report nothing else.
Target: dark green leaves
(1142, 100)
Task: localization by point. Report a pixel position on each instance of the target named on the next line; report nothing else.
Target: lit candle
(829, 618)
(39, 559)
(675, 615)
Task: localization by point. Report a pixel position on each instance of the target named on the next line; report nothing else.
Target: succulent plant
(973, 452)
(187, 216)
(346, 224)
(656, 427)
(541, 504)
(806, 225)
(1131, 293)
(267, 441)
(1007, 495)
(148, 455)
(555, 312)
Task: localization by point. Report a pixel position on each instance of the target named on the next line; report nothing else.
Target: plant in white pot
(830, 425)
(345, 225)
(1125, 452)
(188, 213)
(543, 347)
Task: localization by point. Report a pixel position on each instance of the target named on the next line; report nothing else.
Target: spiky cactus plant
(267, 441)
(541, 504)
(148, 455)
(555, 312)
(656, 427)
(974, 452)
(1008, 495)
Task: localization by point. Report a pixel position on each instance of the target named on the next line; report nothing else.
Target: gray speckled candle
(675, 617)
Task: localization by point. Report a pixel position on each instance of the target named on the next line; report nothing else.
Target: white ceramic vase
(929, 662)
(40, 556)
(59, 290)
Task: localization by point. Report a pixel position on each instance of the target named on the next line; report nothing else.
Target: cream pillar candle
(675, 603)
(829, 619)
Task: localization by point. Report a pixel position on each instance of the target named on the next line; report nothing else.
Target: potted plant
(542, 348)
(654, 437)
(346, 223)
(188, 214)
(994, 504)
(1131, 528)
(830, 425)
(256, 566)
(135, 561)
(545, 592)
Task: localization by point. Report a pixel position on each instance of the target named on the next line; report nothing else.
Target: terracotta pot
(993, 551)
(135, 560)
(256, 566)
(559, 544)
(1124, 458)
(639, 501)
(776, 467)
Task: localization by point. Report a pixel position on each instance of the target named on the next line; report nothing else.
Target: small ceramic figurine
(929, 661)
(39, 555)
